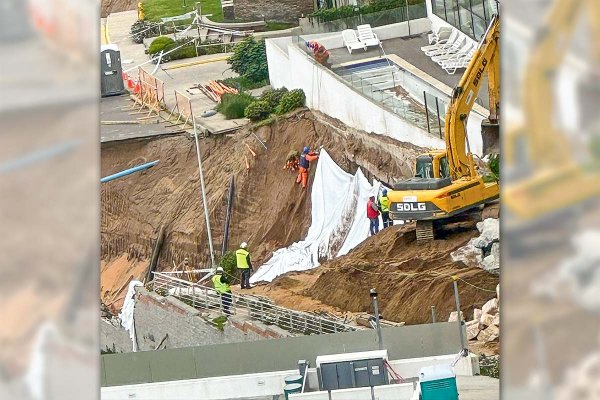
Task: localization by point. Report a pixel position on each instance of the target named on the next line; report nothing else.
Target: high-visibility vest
(219, 286)
(385, 203)
(240, 257)
(303, 161)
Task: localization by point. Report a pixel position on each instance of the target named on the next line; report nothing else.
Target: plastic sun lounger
(441, 33)
(367, 36)
(452, 49)
(442, 43)
(351, 41)
(463, 51)
(458, 57)
(451, 66)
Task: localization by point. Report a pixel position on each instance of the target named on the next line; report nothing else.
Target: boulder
(469, 255)
(491, 264)
(472, 329)
(477, 314)
(454, 316)
(496, 320)
(487, 320)
(489, 334)
(489, 229)
(491, 307)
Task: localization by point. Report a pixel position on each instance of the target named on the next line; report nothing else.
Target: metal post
(407, 17)
(460, 322)
(426, 111)
(203, 190)
(433, 314)
(373, 294)
(437, 109)
(472, 20)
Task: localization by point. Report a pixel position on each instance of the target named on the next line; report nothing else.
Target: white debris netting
(126, 314)
(339, 221)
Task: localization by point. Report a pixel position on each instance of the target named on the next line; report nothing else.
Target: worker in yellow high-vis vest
(221, 286)
(242, 257)
(384, 206)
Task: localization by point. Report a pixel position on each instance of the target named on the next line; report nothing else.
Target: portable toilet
(438, 382)
(111, 81)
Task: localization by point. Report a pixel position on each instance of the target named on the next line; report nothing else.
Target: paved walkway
(194, 71)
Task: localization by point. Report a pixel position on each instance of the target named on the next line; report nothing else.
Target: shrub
(159, 44)
(273, 96)
(258, 110)
(332, 14)
(228, 263)
(234, 105)
(141, 30)
(241, 83)
(186, 51)
(249, 59)
(290, 101)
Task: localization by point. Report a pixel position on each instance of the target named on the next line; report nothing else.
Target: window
(444, 168)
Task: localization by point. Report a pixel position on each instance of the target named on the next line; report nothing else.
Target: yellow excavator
(447, 183)
(543, 177)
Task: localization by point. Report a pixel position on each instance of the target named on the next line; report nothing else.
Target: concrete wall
(273, 355)
(272, 10)
(271, 383)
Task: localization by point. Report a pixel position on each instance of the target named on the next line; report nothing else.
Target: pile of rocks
(483, 251)
(485, 326)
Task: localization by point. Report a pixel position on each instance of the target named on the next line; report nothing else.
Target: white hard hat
(220, 269)
(243, 245)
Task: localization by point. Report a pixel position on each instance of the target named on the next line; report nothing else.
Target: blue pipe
(129, 171)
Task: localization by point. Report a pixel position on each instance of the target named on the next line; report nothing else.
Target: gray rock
(454, 316)
(491, 307)
(473, 330)
(489, 334)
(469, 255)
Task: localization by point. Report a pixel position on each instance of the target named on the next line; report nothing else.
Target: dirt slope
(409, 276)
(269, 211)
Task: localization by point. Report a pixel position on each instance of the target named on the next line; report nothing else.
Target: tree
(249, 59)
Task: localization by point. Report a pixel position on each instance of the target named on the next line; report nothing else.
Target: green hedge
(290, 101)
(258, 110)
(273, 97)
(159, 44)
(331, 14)
(234, 105)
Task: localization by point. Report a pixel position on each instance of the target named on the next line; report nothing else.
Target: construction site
(186, 189)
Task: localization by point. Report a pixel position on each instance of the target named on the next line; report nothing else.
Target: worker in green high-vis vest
(242, 257)
(221, 286)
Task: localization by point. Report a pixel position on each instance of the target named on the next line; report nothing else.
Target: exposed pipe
(129, 171)
(203, 191)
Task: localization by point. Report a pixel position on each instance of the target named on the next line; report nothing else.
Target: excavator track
(425, 231)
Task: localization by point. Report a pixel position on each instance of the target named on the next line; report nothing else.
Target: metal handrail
(200, 296)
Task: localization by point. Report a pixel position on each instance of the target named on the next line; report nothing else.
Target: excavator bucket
(490, 133)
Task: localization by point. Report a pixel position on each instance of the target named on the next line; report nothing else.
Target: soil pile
(269, 209)
(409, 276)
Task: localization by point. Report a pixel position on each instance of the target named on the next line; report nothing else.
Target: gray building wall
(273, 355)
(272, 10)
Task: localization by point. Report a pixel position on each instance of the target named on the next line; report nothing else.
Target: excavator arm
(486, 60)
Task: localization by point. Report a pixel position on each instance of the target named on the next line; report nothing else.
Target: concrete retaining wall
(272, 10)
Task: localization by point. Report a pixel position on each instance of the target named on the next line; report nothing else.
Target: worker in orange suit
(305, 158)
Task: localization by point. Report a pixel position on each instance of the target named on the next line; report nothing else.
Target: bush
(234, 105)
(249, 59)
(290, 101)
(331, 14)
(159, 44)
(273, 96)
(258, 110)
(186, 51)
(241, 83)
(228, 263)
(141, 30)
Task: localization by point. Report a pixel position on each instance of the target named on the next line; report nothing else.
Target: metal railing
(203, 297)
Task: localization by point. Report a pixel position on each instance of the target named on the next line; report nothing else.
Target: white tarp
(126, 314)
(339, 221)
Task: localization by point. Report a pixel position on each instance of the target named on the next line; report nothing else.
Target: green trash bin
(292, 388)
(293, 379)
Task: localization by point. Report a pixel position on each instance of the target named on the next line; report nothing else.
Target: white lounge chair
(469, 47)
(451, 49)
(367, 36)
(452, 65)
(351, 41)
(439, 34)
(453, 36)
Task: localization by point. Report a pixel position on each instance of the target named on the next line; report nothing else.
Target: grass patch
(219, 323)
(278, 26)
(154, 10)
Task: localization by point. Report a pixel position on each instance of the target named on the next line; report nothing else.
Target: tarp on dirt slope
(339, 221)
